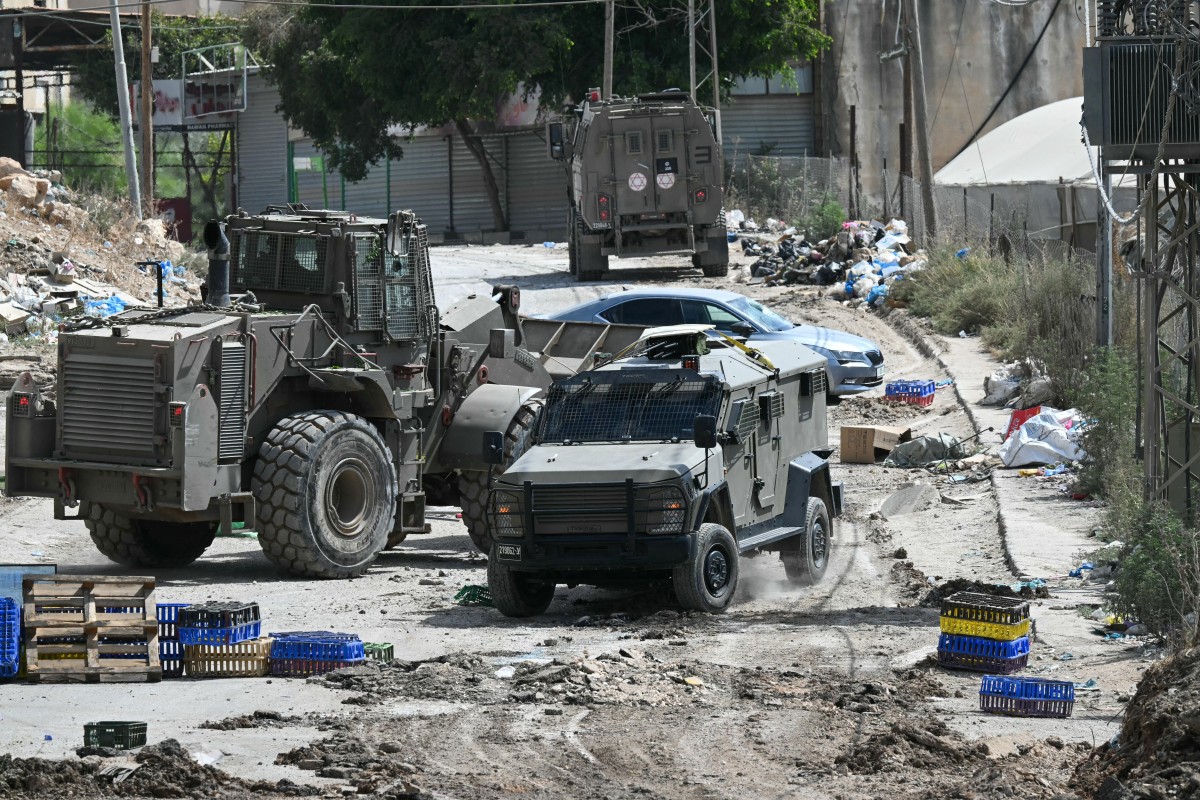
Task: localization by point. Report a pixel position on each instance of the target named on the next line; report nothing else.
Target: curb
(903, 324)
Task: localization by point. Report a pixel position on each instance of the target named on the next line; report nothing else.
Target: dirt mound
(911, 583)
(873, 411)
(943, 590)
(1157, 753)
(922, 744)
(259, 719)
(354, 757)
(160, 770)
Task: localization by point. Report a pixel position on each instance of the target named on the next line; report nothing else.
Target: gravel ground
(820, 692)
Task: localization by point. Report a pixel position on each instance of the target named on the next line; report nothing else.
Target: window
(802, 76)
(666, 141)
(633, 143)
(702, 313)
(303, 264)
(653, 311)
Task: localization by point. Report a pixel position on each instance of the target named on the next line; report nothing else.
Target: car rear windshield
(760, 315)
(641, 405)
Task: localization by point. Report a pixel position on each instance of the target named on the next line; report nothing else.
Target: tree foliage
(346, 77)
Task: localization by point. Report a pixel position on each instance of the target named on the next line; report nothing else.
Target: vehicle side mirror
(704, 431)
(742, 328)
(493, 447)
(556, 141)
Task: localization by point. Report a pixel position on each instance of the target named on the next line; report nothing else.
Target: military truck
(324, 404)
(643, 178)
(671, 461)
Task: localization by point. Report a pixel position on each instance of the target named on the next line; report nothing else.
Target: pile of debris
(861, 261)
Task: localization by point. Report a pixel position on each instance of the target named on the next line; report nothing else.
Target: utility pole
(691, 23)
(920, 119)
(1104, 261)
(147, 110)
(716, 81)
(609, 36)
(131, 171)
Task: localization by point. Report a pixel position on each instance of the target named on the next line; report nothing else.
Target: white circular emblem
(665, 180)
(637, 181)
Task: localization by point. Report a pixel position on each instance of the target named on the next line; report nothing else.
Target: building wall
(973, 53)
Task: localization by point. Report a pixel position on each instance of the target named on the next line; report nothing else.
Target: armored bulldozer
(323, 405)
(644, 177)
(672, 461)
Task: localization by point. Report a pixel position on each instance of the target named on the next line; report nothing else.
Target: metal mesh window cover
(649, 405)
(406, 282)
(771, 405)
(633, 143)
(665, 141)
(368, 283)
(743, 419)
(303, 264)
(256, 256)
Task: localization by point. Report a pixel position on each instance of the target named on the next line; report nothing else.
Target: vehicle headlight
(506, 513)
(844, 356)
(666, 510)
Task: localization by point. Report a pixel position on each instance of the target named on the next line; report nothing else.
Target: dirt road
(822, 692)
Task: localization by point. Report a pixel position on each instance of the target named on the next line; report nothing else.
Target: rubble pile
(860, 262)
(59, 263)
(369, 767)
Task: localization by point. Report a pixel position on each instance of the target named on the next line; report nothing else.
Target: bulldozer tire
(517, 594)
(146, 543)
(473, 486)
(325, 487)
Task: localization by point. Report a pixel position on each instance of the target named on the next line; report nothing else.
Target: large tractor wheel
(146, 543)
(473, 486)
(326, 493)
(590, 263)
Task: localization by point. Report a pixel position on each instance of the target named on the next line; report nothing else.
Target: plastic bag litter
(734, 218)
(1048, 438)
(1001, 386)
(925, 450)
(104, 308)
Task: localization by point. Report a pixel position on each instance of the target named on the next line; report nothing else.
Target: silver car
(854, 364)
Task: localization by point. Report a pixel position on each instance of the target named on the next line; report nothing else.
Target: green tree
(347, 77)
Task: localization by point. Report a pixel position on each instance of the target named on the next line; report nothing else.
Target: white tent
(1037, 165)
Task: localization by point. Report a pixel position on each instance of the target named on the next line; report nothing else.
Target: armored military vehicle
(671, 461)
(643, 178)
(323, 405)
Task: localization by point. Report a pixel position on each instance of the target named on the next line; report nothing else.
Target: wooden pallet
(97, 629)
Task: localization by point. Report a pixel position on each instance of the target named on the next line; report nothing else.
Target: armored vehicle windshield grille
(232, 398)
(283, 261)
(368, 264)
(108, 408)
(393, 290)
(650, 405)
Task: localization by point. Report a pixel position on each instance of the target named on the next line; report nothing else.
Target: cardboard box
(867, 444)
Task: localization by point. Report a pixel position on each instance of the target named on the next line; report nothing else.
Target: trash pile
(50, 271)
(861, 261)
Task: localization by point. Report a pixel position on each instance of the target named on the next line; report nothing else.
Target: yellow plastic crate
(985, 630)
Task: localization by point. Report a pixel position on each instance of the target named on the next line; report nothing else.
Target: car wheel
(708, 580)
(806, 557)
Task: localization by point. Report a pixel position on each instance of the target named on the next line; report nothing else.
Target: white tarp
(1047, 438)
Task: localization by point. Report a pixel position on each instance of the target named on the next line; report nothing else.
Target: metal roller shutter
(537, 190)
(262, 148)
(778, 125)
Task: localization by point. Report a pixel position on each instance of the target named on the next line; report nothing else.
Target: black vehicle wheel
(806, 557)
(517, 594)
(326, 492)
(473, 485)
(146, 543)
(714, 262)
(590, 263)
(708, 580)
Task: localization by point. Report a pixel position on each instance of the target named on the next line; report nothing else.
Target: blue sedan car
(854, 364)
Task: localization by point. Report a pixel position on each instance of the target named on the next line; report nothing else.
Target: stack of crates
(299, 654)
(221, 640)
(10, 638)
(1026, 697)
(170, 649)
(984, 633)
(917, 393)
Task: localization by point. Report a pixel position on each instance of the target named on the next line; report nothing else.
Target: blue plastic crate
(317, 646)
(226, 635)
(170, 656)
(983, 655)
(1026, 697)
(12, 576)
(167, 614)
(915, 392)
(10, 637)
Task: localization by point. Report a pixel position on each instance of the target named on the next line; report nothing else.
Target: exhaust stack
(218, 263)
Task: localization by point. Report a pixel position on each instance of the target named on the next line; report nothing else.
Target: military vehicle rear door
(633, 164)
(670, 168)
